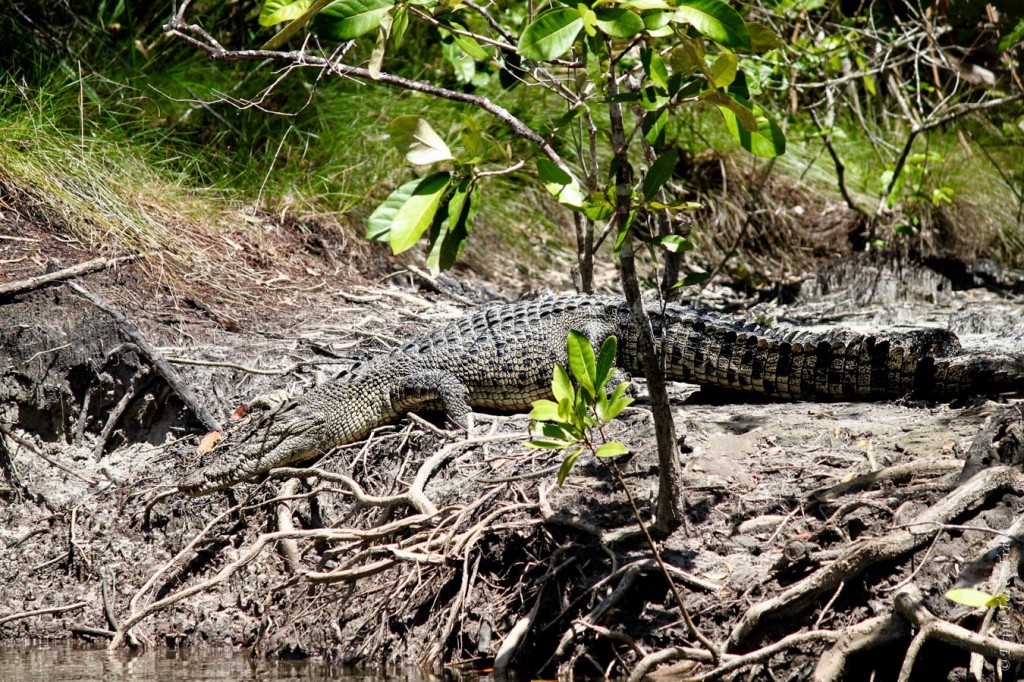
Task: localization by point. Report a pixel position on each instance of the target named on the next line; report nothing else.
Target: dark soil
(807, 523)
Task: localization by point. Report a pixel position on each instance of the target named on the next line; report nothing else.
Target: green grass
(158, 128)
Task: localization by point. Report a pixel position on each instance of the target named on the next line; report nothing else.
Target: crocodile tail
(836, 365)
(977, 373)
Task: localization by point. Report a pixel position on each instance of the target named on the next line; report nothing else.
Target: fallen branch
(42, 612)
(899, 472)
(23, 285)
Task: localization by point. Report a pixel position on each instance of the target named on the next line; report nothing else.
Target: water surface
(63, 662)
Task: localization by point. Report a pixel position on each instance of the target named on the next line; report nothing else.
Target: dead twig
(21, 286)
(289, 548)
(899, 472)
(42, 612)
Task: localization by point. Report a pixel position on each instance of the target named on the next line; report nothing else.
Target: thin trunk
(669, 512)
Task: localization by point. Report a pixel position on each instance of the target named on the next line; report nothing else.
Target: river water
(62, 662)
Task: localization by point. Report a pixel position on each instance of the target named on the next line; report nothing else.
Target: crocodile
(502, 358)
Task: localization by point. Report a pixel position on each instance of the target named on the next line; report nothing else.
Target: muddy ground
(820, 538)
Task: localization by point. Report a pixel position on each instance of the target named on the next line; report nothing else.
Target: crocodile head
(287, 436)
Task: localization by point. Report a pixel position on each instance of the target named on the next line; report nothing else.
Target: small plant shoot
(574, 421)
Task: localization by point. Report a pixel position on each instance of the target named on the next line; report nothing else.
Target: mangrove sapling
(575, 422)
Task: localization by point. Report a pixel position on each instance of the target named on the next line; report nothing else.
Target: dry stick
(21, 286)
(674, 653)
(241, 368)
(136, 616)
(165, 370)
(360, 495)
(289, 548)
(216, 51)
(116, 414)
(893, 473)
(795, 641)
(1004, 550)
(42, 612)
(6, 430)
(864, 553)
(108, 605)
(910, 604)
(86, 631)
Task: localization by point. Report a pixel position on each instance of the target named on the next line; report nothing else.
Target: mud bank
(820, 537)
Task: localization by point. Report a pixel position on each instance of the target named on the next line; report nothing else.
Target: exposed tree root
(864, 553)
(909, 603)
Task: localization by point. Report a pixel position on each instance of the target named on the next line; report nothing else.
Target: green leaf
(656, 22)
(653, 98)
(645, 5)
(1013, 37)
(611, 449)
(653, 126)
(279, 11)
(469, 45)
(379, 225)
(618, 401)
(453, 228)
(659, 173)
(589, 18)
(673, 243)
(618, 22)
(561, 387)
(971, 597)
(562, 186)
(544, 411)
(654, 67)
(762, 38)
(293, 26)
(543, 444)
(550, 35)
(766, 140)
(563, 471)
(581, 360)
(605, 363)
(617, 406)
(376, 63)
(414, 137)
(461, 63)
(942, 195)
(716, 20)
(556, 432)
(398, 26)
(685, 206)
(413, 216)
(619, 391)
(347, 19)
(597, 207)
(724, 69)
